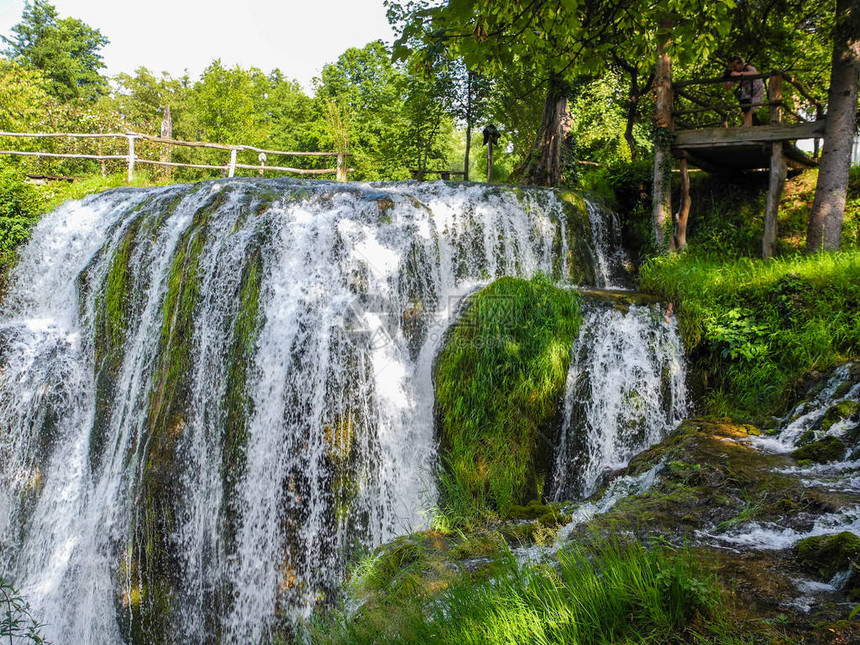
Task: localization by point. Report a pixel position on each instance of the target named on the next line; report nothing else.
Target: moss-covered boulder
(499, 382)
(839, 412)
(821, 451)
(828, 555)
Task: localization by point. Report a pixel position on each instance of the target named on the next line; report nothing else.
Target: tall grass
(626, 593)
(753, 327)
(498, 382)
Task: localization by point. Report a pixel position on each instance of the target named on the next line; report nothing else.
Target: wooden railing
(132, 159)
(726, 111)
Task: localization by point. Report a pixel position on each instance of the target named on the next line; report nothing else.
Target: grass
(499, 379)
(611, 593)
(752, 328)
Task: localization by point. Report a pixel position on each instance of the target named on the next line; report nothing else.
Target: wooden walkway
(723, 149)
(735, 149)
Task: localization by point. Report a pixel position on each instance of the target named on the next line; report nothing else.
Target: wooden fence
(132, 159)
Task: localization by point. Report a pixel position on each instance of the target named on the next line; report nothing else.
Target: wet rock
(829, 555)
(821, 452)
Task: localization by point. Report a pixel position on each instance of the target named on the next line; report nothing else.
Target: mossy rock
(840, 411)
(806, 438)
(821, 452)
(531, 511)
(499, 382)
(827, 555)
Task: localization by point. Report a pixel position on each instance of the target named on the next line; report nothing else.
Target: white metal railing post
(232, 171)
(130, 157)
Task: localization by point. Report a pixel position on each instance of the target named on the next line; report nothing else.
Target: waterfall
(611, 261)
(625, 392)
(210, 395)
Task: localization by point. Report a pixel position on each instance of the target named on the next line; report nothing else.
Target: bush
(20, 207)
(753, 327)
(16, 623)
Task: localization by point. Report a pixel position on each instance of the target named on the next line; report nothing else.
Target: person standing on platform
(750, 92)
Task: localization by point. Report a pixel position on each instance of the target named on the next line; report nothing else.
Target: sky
(296, 36)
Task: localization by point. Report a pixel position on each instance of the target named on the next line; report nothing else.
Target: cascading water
(210, 394)
(625, 391)
(610, 257)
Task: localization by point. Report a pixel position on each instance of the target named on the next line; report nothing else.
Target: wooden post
(166, 133)
(490, 161)
(341, 167)
(778, 173)
(130, 158)
(683, 208)
(262, 159)
(232, 170)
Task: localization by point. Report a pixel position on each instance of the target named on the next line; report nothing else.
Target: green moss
(840, 411)
(153, 531)
(829, 554)
(580, 261)
(499, 381)
(112, 321)
(237, 402)
(822, 451)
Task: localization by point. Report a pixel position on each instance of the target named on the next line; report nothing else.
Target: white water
(610, 256)
(625, 391)
(358, 286)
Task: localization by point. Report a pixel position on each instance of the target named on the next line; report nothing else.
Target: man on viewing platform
(749, 92)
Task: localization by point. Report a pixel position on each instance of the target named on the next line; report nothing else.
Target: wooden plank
(221, 146)
(62, 134)
(64, 156)
(723, 107)
(722, 79)
(759, 134)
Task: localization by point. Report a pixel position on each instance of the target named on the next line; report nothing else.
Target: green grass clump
(499, 380)
(600, 595)
(752, 327)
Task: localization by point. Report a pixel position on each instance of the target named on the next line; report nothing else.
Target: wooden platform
(736, 149)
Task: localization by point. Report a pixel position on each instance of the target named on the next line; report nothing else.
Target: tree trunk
(468, 125)
(683, 213)
(545, 167)
(828, 208)
(662, 191)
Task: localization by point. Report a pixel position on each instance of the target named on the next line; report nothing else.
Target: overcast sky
(296, 36)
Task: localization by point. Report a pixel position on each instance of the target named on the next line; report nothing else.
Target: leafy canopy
(65, 49)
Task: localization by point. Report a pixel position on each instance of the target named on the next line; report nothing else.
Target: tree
(470, 102)
(368, 93)
(65, 49)
(828, 208)
(24, 97)
(142, 97)
(564, 40)
(229, 105)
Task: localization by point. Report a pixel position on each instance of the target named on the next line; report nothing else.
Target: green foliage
(65, 49)
(21, 204)
(752, 327)
(604, 594)
(15, 619)
(498, 380)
